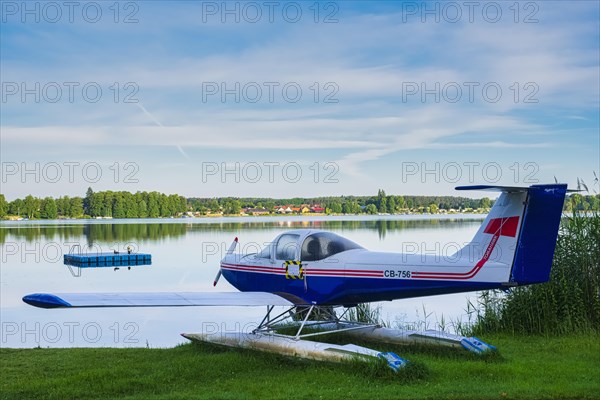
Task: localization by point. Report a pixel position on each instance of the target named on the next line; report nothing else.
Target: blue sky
(388, 112)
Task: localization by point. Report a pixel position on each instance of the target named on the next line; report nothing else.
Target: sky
(285, 99)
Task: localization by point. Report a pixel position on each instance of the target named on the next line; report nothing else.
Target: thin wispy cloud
(157, 122)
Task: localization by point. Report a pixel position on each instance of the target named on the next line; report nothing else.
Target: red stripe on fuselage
(307, 271)
(253, 266)
(465, 275)
(374, 274)
(497, 227)
(246, 268)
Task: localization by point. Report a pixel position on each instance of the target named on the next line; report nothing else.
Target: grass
(526, 367)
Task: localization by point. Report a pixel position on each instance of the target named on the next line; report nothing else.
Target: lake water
(185, 257)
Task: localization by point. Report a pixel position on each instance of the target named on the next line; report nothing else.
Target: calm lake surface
(185, 257)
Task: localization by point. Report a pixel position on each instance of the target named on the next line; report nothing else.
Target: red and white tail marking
(503, 226)
(502, 223)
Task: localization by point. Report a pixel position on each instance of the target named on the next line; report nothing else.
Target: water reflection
(93, 232)
(156, 231)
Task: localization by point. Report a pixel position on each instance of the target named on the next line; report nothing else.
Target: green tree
(350, 207)
(76, 208)
(63, 205)
(3, 206)
(400, 202)
(391, 206)
(433, 208)
(576, 200)
(183, 205)
(336, 207)
(131, 208)
(153, 206)
(595, 202)
(383, 205)
(371, 209)
(87, 201)
(232, 206)
(213, 206)
(96, 205)
(16, 207)
(568, 207)
(485, 203)
(381, 201)
(118, 210)
(142, 209)
(164, 204)
(177, 204)
(269, 205)
(107, 204)
(48, 208)
(31, 207)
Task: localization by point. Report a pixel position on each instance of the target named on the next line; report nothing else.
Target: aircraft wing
(68, 300)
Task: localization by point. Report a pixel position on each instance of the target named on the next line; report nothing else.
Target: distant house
(257, 211)
(302, 209)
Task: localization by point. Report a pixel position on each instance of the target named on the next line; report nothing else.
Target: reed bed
(568, 303)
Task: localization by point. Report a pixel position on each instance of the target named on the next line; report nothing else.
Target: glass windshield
(266, 252)
(325, 244)
(286, 247)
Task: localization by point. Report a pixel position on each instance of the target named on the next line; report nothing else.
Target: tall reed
(568, 303)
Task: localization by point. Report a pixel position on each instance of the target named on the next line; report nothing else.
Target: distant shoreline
(241, 219)
(218, 216)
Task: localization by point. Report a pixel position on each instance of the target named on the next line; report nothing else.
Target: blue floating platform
(107, 259)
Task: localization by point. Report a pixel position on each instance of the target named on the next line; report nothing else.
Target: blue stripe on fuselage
(343, 290)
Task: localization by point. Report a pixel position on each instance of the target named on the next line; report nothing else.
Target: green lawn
(526, 367)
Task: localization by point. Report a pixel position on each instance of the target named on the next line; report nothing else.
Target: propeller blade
(217, 277)
(232, 247)
(229, 251)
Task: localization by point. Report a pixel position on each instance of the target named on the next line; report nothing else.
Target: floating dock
(107, 259)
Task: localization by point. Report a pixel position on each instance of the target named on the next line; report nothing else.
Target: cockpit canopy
(321, 245)
(314, 246)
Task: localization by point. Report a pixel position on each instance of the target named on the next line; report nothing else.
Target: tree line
(96, 204)
(382, 203)
(155, 204)
(578, 202)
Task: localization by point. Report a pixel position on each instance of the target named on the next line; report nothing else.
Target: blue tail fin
(526, 221)
(539, 231)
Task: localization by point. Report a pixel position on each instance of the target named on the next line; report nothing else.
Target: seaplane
(317, 276)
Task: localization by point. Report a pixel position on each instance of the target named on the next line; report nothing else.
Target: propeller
(229, 251)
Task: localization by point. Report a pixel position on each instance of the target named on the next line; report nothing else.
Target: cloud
(141, 107)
